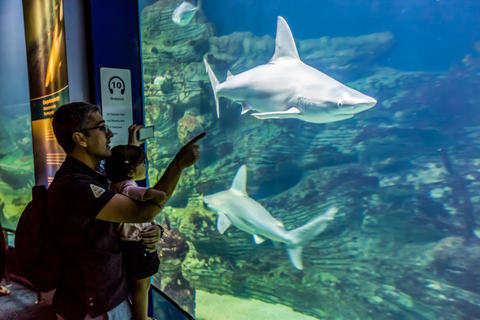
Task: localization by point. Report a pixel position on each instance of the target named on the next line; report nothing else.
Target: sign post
(116, 89)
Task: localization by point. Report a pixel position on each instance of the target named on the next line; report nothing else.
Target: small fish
(185, 12)
(158, 80)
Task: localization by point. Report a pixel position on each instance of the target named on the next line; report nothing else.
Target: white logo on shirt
(97, 191)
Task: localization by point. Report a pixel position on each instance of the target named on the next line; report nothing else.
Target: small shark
(234, 206)
(185, 12)
(286, 87)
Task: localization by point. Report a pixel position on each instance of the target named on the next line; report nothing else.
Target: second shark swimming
(234, 206)
(286, 87)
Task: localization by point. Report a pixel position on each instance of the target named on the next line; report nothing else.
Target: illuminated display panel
(16, 154)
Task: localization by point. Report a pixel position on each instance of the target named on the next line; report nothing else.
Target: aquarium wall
(314, 198)
(16, 154)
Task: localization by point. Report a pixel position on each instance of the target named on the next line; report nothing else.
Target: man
(84, 214)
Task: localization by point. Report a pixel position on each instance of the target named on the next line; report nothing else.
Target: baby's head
(124, 163)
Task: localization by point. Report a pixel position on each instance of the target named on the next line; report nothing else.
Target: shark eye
(339, 104)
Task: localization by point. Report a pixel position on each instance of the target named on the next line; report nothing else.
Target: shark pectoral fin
(295, 255)
(215, 83)
(222, 223)
(246, 107)
(277, 115)
(257, 239)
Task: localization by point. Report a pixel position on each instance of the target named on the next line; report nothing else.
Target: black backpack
(37, 255)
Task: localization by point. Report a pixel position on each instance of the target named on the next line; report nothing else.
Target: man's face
(97, 139)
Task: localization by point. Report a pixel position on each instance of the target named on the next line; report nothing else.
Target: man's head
(79, 124)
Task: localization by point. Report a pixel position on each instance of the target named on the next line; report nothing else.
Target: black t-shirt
(95, 279)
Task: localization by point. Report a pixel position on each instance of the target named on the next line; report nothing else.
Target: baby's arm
(158, 197)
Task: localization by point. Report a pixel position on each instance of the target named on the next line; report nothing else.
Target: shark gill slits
(303, 104)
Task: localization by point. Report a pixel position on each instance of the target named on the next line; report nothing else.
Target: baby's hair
(123, 160)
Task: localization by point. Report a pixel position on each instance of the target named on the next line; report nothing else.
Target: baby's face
(140, 172)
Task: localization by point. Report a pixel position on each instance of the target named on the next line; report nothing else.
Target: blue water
(431, 35)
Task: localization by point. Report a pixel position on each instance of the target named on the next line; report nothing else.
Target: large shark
(286, 87)
(234, 206)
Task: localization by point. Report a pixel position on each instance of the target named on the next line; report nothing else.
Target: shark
(286, 87)
(185, 12)
(234, 206)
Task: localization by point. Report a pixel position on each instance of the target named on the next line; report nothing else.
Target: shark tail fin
(302, 235)
(214, 81)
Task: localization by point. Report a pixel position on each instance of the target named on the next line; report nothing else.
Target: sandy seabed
(224, 307)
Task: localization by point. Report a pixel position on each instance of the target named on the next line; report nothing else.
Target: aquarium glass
(340, 174)
(16, 155)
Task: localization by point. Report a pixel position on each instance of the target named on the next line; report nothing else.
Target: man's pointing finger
(197, 138)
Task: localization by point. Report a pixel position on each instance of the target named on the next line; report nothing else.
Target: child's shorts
(140, 264)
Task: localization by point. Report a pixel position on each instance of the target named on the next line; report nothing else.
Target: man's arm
(125, 210)
(158, 197)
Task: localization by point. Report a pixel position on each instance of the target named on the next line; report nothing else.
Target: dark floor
(21, 303)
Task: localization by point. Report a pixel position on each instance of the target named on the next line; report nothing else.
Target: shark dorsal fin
(246, 107)
(285, 47)
(239, 183)
(229, 75)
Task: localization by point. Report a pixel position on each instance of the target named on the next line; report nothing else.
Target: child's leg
(140, 298)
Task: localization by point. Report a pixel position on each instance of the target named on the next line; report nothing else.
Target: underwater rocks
(239, 52)
(345, 57)
(169, 279)
(457, 260)
(165, 41)
(342, 58)
(189, 127)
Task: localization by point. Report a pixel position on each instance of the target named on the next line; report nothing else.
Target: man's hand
(151, 236)
(189, 153)
(132, 135)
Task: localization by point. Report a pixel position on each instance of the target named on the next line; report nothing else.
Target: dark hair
(124, 159)
(69, 118)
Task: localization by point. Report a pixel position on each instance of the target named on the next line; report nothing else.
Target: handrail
(185, 313)
(9, 230)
